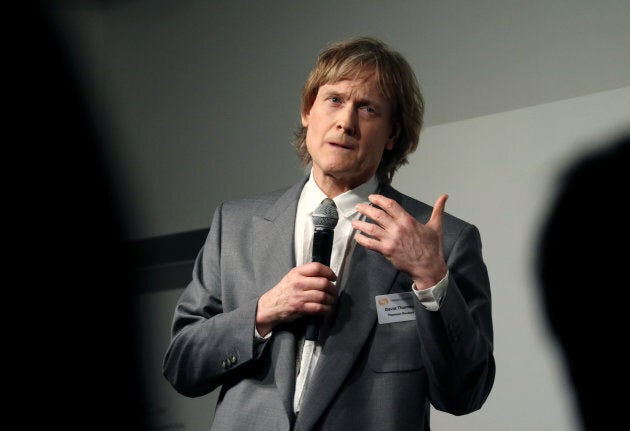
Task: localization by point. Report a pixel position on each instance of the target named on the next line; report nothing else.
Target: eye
(368, 109)
(335, 99)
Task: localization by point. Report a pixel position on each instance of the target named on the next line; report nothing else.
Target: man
(240, 322)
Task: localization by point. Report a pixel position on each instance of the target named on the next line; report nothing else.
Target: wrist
(429, 279)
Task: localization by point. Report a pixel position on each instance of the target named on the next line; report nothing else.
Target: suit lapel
(273, 240)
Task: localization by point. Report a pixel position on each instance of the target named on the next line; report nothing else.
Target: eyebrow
(360, 101)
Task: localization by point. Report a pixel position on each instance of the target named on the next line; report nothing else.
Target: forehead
(365, 88)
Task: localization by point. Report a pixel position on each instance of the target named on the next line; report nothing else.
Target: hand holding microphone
(279, 304)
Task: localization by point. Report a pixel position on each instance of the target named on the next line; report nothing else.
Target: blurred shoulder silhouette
(70, 298)
(581, 264)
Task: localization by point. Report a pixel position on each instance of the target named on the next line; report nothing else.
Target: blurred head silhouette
(582, 261)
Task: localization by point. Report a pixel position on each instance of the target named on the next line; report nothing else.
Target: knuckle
(369, 228)
(407, 221)
(387, 248)
(389, 204)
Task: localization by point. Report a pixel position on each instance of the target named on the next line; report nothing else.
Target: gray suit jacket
(370, 376)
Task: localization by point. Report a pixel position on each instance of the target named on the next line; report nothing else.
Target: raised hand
(409, 245)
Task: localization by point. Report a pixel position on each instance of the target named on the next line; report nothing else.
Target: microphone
(325, 219)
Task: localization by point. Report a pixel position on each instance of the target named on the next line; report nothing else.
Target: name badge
(395, 307)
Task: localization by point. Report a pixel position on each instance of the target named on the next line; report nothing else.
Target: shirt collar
(312, 196)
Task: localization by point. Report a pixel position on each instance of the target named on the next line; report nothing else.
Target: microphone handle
(322, 249)
(322, 245)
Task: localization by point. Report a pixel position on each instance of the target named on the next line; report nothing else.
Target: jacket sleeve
(457, 340)
(209, 341)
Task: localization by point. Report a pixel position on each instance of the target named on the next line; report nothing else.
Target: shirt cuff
(431, 298)
(258, 338)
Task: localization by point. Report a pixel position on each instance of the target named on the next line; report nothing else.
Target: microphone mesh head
(325, 215)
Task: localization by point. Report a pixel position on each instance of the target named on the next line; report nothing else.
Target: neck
(334, 186)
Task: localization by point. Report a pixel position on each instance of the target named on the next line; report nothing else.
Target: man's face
(348, 128)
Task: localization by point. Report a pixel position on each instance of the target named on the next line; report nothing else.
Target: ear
(393, 137)
(305, 118)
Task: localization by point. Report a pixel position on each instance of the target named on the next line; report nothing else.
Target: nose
(346, 121)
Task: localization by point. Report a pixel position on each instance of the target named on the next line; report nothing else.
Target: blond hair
(357, 58)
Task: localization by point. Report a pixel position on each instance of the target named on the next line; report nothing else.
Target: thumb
(435, 222)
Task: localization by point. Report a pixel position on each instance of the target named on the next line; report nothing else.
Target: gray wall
(200, 98)
(199, 101)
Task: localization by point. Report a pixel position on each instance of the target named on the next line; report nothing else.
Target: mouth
(340, 145)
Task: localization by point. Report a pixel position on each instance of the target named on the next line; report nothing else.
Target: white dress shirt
(343, 243)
